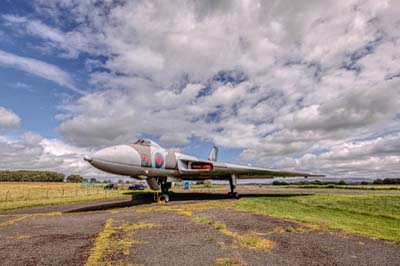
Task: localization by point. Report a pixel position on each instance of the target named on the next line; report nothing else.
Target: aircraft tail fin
(213, 154)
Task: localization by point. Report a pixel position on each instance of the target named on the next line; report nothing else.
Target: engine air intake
(201, 166)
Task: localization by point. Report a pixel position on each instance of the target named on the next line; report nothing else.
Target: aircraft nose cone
(122, 154)
(87, 158)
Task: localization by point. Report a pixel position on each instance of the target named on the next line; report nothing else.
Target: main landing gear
(165, 186)
(232, 183)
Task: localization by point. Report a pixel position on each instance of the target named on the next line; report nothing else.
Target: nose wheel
(234, 195)
(164, 198)
(165, 186)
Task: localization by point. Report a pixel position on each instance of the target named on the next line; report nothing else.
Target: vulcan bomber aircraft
(146, 160)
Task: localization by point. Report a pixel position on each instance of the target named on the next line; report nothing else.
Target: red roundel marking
(159, 160)
(144, 158)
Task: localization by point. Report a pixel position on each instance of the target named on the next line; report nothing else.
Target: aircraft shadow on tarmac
(148, 198)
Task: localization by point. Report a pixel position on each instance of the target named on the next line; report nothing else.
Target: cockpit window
(143, 142)
(147, 142)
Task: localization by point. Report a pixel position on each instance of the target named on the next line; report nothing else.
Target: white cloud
(23, 86)
(293, 84)
(31, 151)
(8, 119)
(38, 68)
(377, 157)
(54, 40)
(357, 107)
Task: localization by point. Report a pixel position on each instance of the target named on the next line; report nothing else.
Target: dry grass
(12, 221)
(187, 209)
(18, 237)
(114, 240)
(229, 262)
(249, 241)
(15, 195)
(24, 216)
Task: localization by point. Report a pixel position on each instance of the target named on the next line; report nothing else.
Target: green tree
(208, 183)
(378, 181)
(74, 179)
(93, 180)
(31, 176)
(280, 183)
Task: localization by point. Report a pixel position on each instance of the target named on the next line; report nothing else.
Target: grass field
(354, 187)
(372, 215)
(15, 195)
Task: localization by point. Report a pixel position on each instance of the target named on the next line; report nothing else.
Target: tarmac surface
(194, 229)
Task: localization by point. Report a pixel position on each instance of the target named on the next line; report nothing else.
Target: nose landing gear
(164, 198)
(165, 186)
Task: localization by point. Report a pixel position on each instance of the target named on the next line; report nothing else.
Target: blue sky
(282, 85)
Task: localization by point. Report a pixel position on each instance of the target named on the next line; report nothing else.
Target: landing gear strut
(232, 183)
(164, 188)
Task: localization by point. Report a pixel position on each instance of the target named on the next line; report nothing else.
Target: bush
(208, 183)
(391, 181)
(31, 176)
(280, 183)
(74, 179)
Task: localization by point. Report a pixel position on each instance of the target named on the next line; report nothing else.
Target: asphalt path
(194, 229)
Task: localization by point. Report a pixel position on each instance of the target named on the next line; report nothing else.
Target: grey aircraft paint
(146, 160)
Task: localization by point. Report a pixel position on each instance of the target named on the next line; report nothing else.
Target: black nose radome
(87, 158)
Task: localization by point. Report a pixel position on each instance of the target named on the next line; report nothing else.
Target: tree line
(385, 181)
(31, 176)
(37, 176)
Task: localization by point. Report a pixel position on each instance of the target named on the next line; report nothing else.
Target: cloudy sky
(296, 85)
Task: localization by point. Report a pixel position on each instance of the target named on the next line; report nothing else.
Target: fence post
(29, 192)
(62, 195)
(47, 194)
(7, 195)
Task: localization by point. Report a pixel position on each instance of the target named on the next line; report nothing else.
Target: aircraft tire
(234, 195)
(165, 197)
